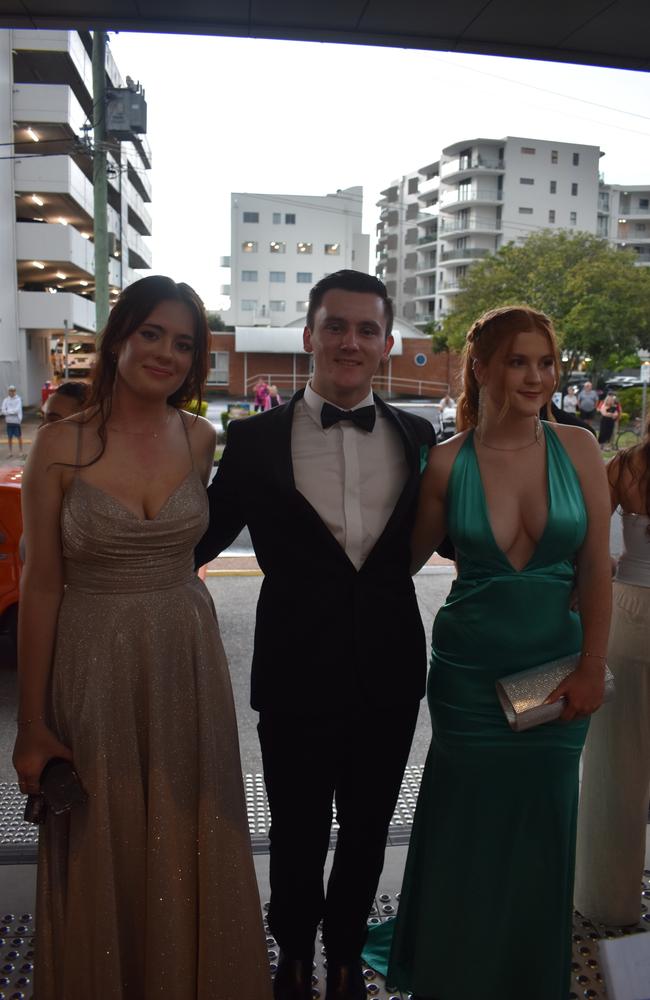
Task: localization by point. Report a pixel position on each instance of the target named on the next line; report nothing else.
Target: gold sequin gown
(148, 890)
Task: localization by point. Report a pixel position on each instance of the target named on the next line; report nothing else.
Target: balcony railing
(475, 163)
(449, 286)
(465, 253)
(429, 238)
(454, 225)
(473, 193)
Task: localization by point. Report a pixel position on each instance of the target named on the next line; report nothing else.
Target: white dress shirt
(351, 477)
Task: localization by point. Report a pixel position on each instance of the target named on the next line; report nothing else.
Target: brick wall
(278, 368)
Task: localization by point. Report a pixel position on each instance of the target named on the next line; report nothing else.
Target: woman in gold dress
(147, 889)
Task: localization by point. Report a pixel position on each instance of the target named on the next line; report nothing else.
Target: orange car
(11, 529)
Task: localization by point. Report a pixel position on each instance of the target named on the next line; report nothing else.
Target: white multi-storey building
(46, 201)
(481, 194)
(624, 217)
(281, 245)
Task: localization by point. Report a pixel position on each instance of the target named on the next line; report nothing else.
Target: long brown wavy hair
(635, 461)
(495, 329)
(134, 305)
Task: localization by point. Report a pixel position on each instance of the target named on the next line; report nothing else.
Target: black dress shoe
(293, 978)
(345, 981)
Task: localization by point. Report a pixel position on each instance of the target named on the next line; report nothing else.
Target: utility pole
(100, 183)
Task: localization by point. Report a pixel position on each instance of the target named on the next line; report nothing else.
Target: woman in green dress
(526, 505)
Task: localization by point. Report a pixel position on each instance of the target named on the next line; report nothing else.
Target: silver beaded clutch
(522, 695)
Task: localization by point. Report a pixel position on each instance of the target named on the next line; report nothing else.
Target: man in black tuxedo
(328, 485)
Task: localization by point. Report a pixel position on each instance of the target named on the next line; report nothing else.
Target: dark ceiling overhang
(612, 33)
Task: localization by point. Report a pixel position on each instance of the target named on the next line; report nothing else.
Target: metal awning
(595, 32)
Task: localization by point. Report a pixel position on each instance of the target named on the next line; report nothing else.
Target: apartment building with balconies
(624, 218)
(282, 244)
(46, 201)
(479, 195)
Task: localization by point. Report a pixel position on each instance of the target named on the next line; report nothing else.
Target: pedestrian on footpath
(12, 411)
(588, 402)
(328, 485)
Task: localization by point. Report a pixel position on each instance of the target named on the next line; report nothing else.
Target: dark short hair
(74, 390)
(350, 281)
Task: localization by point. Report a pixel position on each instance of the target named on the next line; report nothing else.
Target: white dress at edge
(615, 792)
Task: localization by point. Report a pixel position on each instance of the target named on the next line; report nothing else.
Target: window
(551, 215)
(413, 185)
(554, 156)
(526, 180)
(219, 373)
(249, 276)
(277, 218)
(304, 247)
(644, 203)
(528, 150)
(275, 246)
(302, 305)
(553, 187)
(248, 305)
(333, 249)
(576, 159)
(304, 276)
(290, 219)
(573, 218)
(525, 211)
(639, 227)
(249, 247)
(277, 305)
(251, 216)
(277, 275)
(574, 189)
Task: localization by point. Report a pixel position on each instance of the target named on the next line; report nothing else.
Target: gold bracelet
(594, 656)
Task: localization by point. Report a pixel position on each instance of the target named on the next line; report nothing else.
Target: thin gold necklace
(153, 434)
(521, 447)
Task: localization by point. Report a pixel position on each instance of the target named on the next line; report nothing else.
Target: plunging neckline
(486, 509)
(128, 510)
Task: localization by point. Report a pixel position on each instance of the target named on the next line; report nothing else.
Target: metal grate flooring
(17, 954)
(19, 840)
(18, 844)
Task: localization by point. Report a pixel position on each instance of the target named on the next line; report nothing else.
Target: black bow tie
(364, 417)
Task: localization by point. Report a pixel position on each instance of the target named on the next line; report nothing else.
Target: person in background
(274, 398)
(69, 398)
(260, 396)
(588, 402)
(446, 402)
(12, 411)
(613, 813)
(610, 414)
(570, 401)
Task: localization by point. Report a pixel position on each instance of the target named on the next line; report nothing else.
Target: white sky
(230, 114)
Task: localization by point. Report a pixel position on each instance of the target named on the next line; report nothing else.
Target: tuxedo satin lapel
(412, 452)
(284, 470)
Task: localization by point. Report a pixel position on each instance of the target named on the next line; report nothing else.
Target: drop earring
(480, 421)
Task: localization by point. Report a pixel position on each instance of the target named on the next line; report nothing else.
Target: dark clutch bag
(522, 695)
(61, 790)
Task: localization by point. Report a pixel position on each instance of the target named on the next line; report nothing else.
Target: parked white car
(81, 357)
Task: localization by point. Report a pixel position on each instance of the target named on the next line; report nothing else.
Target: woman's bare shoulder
(579, 442)
(443, 454)
(199, 429)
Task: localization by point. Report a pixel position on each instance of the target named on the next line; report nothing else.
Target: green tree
(215, 321)
(597, 297)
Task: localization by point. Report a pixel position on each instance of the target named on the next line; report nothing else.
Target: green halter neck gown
(486, 905)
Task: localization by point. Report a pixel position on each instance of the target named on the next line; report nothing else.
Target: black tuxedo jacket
(326, 635)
